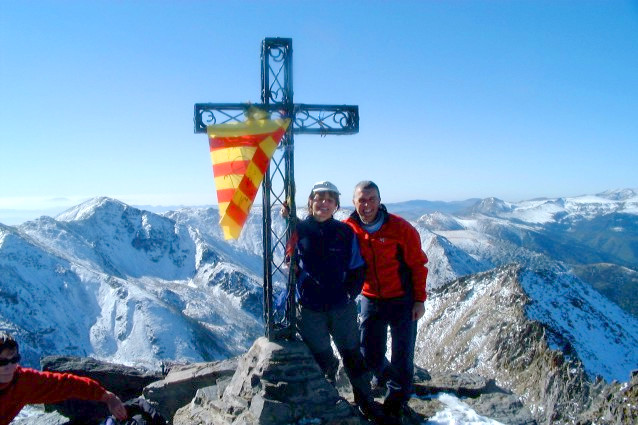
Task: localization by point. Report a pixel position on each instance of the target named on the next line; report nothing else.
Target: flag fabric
(240, 153)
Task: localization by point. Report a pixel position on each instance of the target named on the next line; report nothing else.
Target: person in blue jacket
(330, 275)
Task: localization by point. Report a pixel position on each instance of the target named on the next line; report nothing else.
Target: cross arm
(326, 119)
(308, 119)
(221, 113)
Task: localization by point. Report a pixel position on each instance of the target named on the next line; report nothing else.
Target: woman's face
(322, 206)
(8, 355)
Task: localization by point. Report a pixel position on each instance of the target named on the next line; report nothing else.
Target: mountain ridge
(111, 281)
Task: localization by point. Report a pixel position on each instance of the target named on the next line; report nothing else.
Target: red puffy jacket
(31, 386)
(394, 258)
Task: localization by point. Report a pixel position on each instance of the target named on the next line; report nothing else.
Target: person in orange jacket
(393, 292)
(20, 386)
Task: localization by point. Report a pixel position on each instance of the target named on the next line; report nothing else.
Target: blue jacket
(331, 269)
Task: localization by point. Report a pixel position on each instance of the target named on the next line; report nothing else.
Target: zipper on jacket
(374, 260)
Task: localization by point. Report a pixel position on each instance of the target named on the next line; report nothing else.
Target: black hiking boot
(373, 412)
(394, 411)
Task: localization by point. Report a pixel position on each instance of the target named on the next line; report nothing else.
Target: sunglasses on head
(15, 359)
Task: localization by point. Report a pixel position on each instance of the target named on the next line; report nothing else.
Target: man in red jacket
(21, 386)
(393, 292)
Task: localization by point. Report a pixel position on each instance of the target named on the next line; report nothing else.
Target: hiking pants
(376, 317)
(316, 328)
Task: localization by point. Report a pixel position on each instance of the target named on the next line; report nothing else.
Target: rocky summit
(279, 383)
(273, 383)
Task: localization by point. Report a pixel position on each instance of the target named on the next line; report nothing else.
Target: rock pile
(275, 383)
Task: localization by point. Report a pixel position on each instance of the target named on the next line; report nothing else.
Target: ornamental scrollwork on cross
(326, 119)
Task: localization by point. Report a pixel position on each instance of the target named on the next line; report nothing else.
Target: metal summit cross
(279, 182)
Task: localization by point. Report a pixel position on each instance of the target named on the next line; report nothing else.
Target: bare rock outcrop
(484, 330)
(617, 405)
(182, 382)
(275, 383)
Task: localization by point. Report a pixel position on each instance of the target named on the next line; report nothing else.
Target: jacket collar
(311, 219)
(382, 210)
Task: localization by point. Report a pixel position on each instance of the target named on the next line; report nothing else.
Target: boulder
(126, 382)
(504, 407)
(460, 384)
(181, 384)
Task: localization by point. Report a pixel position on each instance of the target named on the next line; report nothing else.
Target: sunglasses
(15, 359)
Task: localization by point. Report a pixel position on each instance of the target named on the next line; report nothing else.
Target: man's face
(366, 202)
(7, 371)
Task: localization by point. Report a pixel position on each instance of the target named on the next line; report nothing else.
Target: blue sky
(458, 99)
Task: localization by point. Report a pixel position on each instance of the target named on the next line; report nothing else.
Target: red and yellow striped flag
(241, 153)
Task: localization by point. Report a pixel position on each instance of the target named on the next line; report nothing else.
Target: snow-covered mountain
(119, 283)
(595, 237)
(544, 336)
(111, 281)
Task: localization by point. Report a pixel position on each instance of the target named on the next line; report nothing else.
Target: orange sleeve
(416, 260)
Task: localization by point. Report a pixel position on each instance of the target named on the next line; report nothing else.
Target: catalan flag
(241, 153)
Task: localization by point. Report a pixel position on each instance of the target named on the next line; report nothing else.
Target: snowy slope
(111, 281)
(593, 236)
(544, 336)
(581, 322)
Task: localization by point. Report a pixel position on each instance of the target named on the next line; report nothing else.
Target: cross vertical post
(278, 185)
(276, 89)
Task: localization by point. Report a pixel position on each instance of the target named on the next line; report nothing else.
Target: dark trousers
(316, 328)
(376, 316)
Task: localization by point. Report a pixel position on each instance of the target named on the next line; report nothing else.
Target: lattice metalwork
(306, 119)
(279, 184)
(276, 90)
